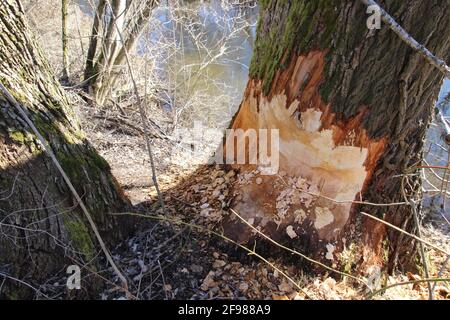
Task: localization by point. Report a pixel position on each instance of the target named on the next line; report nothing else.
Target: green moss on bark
(304, 25)
(80, 237)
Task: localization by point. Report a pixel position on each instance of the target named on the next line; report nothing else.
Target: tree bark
(42, 229)
(129, 20)
(64, 40)
(352, 106)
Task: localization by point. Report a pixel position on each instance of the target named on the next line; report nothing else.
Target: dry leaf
(291, 233)
(219, 264)
(284, 286)
(243, 287)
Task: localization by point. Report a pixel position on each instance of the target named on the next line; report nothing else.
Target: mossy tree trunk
(42, 229)
(352, 106)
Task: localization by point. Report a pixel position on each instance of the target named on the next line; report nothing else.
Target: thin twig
(200, 228)
(319, 195)
(421, 248)
(24, 283)
(12, 189)
(442, 270)
(371, 295)
(163, 280)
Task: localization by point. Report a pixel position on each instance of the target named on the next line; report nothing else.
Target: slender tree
(64, 40)
(352, 106)
(106, 59)
(42, 228)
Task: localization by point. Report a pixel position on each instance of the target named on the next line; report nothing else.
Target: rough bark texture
(42, 229)
(352, 106)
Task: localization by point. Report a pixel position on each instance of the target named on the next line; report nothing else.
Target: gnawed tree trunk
(42, 229)
(352, 106)
(127, 18)
(89, 72)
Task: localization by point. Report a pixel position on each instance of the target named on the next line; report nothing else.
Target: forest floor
(178, 258)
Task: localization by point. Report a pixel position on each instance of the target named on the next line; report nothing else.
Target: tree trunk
(127, 18)
(42, 229)
(89, 72)
(352, 106)
(64, 40)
